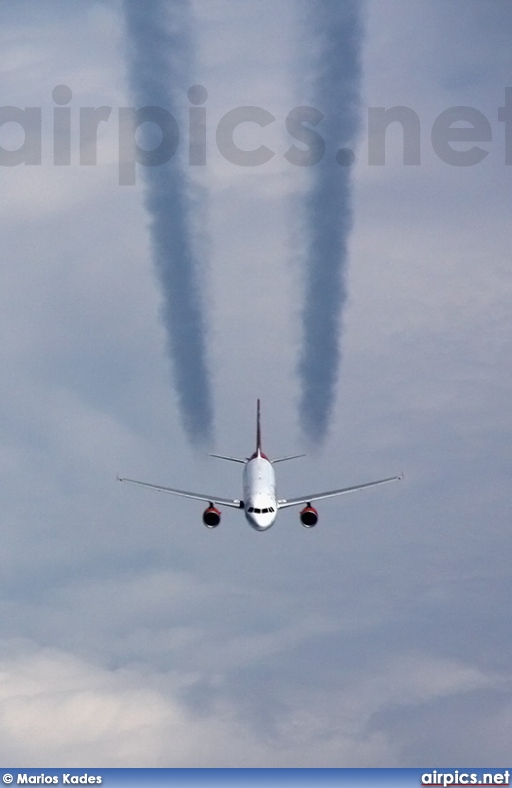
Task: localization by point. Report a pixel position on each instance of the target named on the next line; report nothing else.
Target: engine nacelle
(211, 517)
(309, 516)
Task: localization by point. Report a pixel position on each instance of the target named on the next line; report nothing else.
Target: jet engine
(211, 517)
(309, 516)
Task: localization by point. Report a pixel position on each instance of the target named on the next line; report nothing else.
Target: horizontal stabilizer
(290, 457)
(231, 459)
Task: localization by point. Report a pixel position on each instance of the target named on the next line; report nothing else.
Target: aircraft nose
(261, 526)
(261, 522)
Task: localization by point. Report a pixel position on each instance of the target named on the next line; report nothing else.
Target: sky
(130, 634)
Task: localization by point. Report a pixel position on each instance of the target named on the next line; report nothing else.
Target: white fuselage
(260, 501)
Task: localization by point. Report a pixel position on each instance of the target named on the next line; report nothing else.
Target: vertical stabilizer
(258, 429)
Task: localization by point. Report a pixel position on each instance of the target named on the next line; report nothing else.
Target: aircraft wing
(283, 503)
(235, 504)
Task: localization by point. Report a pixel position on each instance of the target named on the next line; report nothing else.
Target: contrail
(336, 43)
(158, 47)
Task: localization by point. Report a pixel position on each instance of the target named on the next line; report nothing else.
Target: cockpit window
(250, 509)
(257, 511)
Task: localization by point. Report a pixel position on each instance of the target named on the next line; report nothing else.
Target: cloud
(57, 708)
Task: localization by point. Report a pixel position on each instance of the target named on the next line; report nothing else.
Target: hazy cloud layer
(114, 717)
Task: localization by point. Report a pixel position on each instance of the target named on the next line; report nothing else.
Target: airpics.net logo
(456, 777)
(150, 136)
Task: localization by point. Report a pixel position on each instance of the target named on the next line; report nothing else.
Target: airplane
(260, 502)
